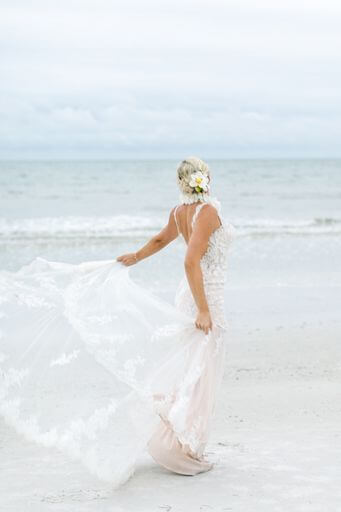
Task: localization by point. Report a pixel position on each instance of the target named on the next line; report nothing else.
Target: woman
(100, 368)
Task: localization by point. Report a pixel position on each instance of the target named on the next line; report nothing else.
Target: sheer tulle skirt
(100, 368)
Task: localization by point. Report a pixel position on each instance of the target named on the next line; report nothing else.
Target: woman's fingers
(127, 259)
(204, 321)
(204, 327)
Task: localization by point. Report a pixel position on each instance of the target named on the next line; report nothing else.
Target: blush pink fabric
(167, 451)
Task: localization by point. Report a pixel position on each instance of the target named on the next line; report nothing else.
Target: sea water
(287, 215)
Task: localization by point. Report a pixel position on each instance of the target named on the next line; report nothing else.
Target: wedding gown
(102, 369)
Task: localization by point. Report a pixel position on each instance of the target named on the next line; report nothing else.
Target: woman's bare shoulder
(208, 218)
(210, 208)
(208, 211)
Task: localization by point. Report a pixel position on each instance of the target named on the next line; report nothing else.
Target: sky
(164, 79)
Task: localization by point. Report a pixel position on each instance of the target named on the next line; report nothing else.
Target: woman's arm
(155, 244)
(205, 224)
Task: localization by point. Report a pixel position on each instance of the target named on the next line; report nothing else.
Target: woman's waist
(215, 299)
(214, 283)
(214, 292)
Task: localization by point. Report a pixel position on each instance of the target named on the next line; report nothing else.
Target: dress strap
(176, 222)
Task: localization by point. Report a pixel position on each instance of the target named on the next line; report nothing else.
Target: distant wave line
(128, 226)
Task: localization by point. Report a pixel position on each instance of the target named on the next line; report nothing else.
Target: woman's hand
(203, 321)
(128, 259)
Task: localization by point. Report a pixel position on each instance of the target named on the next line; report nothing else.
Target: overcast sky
(154, 78)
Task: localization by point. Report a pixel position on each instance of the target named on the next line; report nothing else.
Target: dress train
(100, 368)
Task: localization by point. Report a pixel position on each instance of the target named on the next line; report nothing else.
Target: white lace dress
(102, 369)
(180, 449)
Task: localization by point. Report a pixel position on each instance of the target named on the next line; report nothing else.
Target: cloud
(133, 78)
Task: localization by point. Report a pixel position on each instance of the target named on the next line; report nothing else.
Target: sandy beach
(276, 439)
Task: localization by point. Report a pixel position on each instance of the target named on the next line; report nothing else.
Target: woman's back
(214, 259)
(185, 216)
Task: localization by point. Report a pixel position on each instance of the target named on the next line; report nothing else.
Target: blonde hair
(184, 171)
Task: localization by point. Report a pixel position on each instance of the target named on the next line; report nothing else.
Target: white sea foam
(125, 226)
(266, 227)
(78, 227)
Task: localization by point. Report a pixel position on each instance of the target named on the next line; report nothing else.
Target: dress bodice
(213, 264)
(214, 261)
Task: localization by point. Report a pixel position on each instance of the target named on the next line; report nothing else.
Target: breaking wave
(126, 226)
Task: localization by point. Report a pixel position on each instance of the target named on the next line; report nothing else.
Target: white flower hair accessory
(199, 182)
(193, 178)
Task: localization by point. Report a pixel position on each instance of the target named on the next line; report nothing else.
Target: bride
(102, 369)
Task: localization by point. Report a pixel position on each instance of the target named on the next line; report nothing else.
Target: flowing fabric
(101, 368)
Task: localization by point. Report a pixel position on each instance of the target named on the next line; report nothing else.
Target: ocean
(287, 214)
